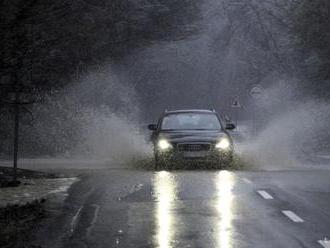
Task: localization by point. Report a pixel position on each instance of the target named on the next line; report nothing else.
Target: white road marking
(75, 219)
(292, 216)
(325, 156)
(325, 243)
(265, 194)
(247, 180)
(96, 213)
(131, 190)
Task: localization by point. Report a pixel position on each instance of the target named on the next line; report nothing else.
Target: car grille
(193, 147)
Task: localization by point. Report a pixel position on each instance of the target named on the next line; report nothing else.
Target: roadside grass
(25, 173)
(19, 220)
(17, 223)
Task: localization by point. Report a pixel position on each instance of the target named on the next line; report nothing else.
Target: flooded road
(130, 208)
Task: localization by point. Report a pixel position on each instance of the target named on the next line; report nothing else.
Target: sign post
(256, 93)
(236, 105)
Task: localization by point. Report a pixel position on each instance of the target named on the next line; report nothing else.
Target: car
(187, 136)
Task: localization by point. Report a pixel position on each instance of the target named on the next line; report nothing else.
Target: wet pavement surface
(134, 208)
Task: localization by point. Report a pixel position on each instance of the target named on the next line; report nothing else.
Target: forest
(147, 55)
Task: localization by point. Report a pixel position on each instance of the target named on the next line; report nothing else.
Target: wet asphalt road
(134, 208)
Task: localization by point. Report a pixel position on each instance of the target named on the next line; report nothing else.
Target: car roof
(190, 111)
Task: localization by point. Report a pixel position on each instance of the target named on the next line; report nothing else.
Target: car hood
(192, 136)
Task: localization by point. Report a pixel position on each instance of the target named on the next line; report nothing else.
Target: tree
(45, 44)
(312, 29)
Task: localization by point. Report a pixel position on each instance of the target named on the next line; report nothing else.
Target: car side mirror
(230, 126)
(152, 127)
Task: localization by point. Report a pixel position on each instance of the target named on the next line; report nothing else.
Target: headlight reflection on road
(165, 190)
(224, 184)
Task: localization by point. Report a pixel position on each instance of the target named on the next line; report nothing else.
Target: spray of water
(96, 118)
(292, 130)
(108, 136)
(110, 120)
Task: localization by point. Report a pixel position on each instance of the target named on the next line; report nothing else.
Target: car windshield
(191, 121)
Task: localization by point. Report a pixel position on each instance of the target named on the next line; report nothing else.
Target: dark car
(191, 136)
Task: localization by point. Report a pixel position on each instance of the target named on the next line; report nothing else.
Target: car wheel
(226, 161)
(158, 163)
(161, 163)
(217, 164)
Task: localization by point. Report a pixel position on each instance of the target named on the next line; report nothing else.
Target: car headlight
(164, 144)
(223, 144)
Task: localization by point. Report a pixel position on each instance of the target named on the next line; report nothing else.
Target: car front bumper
(196, 156)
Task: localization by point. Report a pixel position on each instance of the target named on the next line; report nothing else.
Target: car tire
(217, 165)
(161, 163)
(158, 163)
(227, 161)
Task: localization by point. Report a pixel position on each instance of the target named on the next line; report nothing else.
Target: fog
(292, 130)
(97, 117)
(102, 109)
(284, 129)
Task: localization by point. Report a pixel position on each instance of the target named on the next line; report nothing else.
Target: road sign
(256, 91)
(236, 103)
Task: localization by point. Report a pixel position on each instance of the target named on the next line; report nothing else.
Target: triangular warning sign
(236, 104)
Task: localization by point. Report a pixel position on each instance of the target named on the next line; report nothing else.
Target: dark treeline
(47, 44)
(241, 44)
(312, 29)
(173, 53)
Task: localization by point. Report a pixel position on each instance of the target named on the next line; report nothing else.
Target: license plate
(197, 154)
